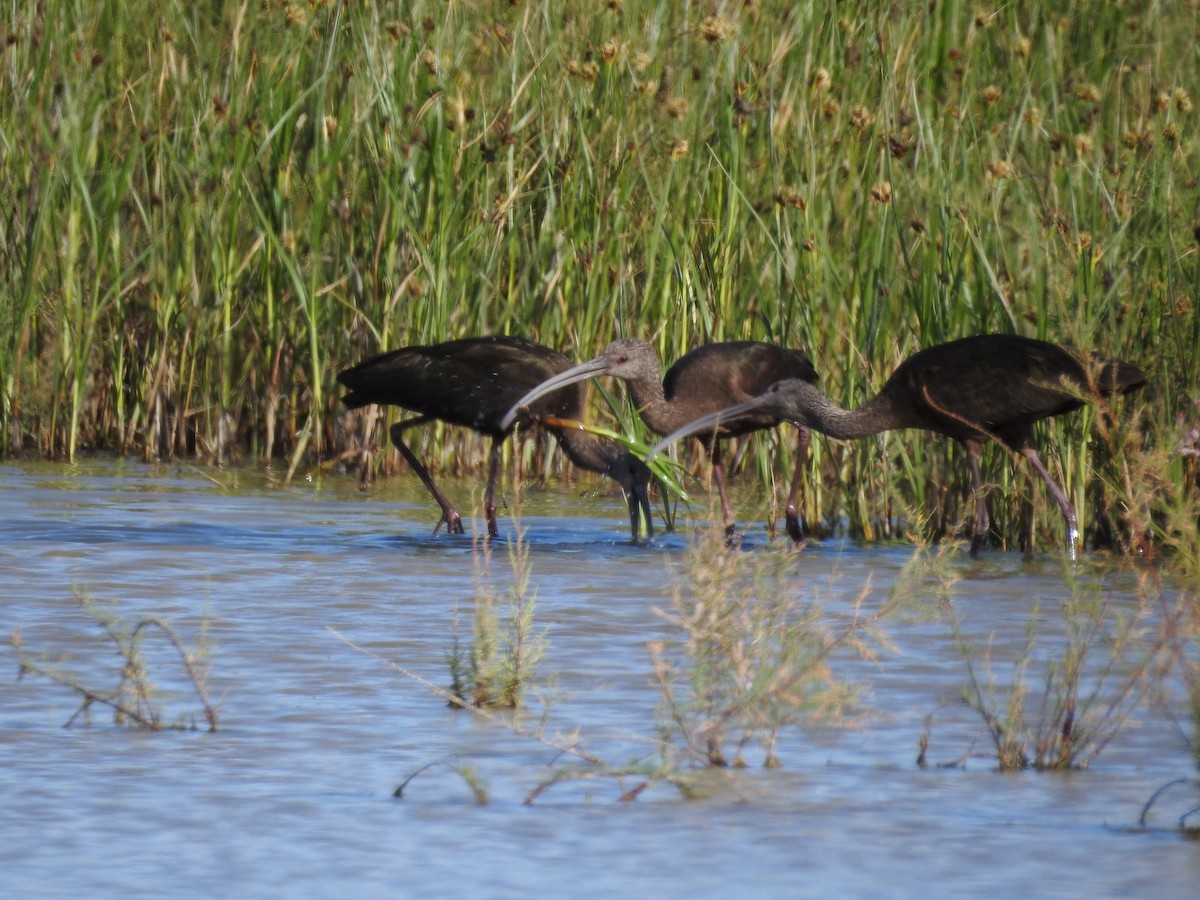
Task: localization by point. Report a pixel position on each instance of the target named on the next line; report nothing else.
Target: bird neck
(586, 450)
(651, 402)
(874, 416)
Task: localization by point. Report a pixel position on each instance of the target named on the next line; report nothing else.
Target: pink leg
(795, 532)
(981, 514)
(449, 513)
(718, 470)
(1064, 502)
(489, 495)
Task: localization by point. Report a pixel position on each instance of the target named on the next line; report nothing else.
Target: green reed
(209, 212)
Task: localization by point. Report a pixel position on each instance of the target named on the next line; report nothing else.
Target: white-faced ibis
(707, 379)
(989, 387)
(472, 382)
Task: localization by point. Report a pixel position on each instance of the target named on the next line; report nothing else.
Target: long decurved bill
(581, 372)
(712, 422)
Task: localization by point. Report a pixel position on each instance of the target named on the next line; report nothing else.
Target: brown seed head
(715, 28)
(861, 118)
(789, 196)
(1001, 168)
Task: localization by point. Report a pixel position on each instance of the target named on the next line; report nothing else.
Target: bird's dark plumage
(465, 382)
(973, 390)
(472, 382)
(998, 385)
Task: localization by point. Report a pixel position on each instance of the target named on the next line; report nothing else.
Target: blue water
(309, 600)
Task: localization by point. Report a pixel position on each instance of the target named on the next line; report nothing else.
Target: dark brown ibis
(472, 382)
(704, 380)
(988, 387)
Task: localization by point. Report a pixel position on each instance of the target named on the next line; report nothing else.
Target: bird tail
(354, 401)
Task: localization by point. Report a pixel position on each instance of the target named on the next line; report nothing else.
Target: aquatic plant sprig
(753, 655)
(494, 670)
(1091, 688)
(135, 700)
(666, 471)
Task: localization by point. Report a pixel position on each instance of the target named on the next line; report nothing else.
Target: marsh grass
(494, 669)
(469, 776)
(754, 655)
(137, 700)
(1085, 670)
(208, 213)
(1085, 694)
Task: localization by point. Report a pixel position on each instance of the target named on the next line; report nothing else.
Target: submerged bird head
(634, 477)
(609, 458)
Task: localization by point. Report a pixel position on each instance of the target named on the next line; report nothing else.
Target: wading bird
(707, 379)
(472, 382)
(989, 387)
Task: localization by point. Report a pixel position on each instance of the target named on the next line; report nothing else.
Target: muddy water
(293, 795)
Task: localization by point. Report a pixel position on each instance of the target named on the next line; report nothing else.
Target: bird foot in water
(1073, 543)
(733, 540)
(976, 544)
(795, 532)
(452, 521)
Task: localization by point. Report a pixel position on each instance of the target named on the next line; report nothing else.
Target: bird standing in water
(988, 387)
(472, 382)
(707, 379)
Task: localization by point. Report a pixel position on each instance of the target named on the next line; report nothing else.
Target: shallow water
(293, 795)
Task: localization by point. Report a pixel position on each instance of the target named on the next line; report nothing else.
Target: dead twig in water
(131, 701)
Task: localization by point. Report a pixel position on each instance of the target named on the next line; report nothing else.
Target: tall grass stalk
(208, 213)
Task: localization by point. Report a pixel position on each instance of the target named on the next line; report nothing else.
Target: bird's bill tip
(556, 422)
(709, 423)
